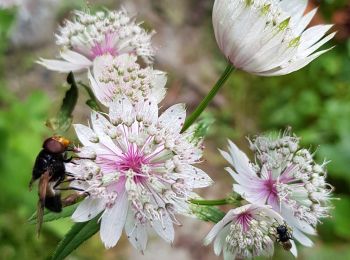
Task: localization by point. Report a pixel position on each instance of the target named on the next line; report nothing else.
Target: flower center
(133, 160)
(270, 185)
(244, 220)
(104, 47)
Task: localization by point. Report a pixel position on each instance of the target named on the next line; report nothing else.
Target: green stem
(200, 108)
(212, 202)
(92, 102)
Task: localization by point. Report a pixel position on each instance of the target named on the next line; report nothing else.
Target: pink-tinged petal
(88, 209)
(148, 109)
(294, 66)
(218, 227)
(173, 118)
(120, 110)
(100, 124)
(98, 90)
(302, 238)
(113, 220)
(220, 240)
(295, 8)
(245, 179)
(85, 135)
(75, 58)
(240, 160)
(159, 82)
(105, 91)
(294, 250)
(313, 35)
(137, 234)
(287, 213)
(164, 228)
(228, 255)
(195, 177)
(61, 66)
(305, 21)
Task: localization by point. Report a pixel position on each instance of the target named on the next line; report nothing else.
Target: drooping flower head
(268, 37)
(285, 177)
(245, 232)
(123, 75)
(140, 171)
(89, 36)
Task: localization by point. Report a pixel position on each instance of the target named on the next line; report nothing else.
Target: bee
(284, 235)
(50, 170)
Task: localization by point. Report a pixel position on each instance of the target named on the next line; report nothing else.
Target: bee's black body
(46, 161)
(53, 163)
(49, 169)
(283, 236)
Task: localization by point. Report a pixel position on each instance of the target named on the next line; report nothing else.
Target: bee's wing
(43, 185)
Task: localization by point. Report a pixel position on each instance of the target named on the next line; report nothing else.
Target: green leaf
(63, 120)
(51, 216)
(341, 217)
(207, 213)
(79, 233)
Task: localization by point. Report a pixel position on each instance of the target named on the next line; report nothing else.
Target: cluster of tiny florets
(306, 189)
(254, 241)
(116, 26)
(128, 78)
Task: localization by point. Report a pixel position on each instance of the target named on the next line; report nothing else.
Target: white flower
(284, 177)
(122, 75)
(89, 36)
(141, 172)
(268, 37)
(245, 232)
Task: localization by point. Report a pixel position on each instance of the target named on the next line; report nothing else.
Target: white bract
(245, 232)
(268, 37)
(113, 76)
(137, 170)
(90, 36)
(284, 177)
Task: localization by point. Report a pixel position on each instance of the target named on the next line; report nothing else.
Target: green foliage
(207, 213)
(63, 120)
(51, 216)
(78, 234)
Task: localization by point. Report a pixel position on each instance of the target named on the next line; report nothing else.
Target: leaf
(341, 217)
(207, 213)
(51, 216)
(77, 235)
(63, 120)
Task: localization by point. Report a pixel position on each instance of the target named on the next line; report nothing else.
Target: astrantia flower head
(137, 170)
(92, 35)
(267, 37)
(123, 75)
(285, 177)
(245, 232)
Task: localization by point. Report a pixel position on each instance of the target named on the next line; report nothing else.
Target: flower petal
(136, 232)
(164, 228)
(173, 118)
(88, 209)
(113, 220)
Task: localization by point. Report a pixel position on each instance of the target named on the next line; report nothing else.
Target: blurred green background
(314, 101)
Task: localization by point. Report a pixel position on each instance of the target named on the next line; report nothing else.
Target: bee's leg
(72, 199)
(73, 188)
(70, 159)
(72, 179)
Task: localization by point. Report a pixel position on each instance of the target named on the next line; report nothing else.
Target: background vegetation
(315, 102)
